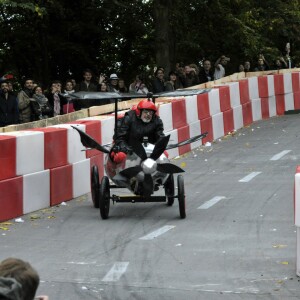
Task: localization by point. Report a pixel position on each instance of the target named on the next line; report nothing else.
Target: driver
(136, 124)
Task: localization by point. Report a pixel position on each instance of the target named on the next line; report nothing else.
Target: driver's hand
(118, 157)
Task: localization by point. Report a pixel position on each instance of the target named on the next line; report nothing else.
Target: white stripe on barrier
(75, 146)
(165, 113)
(30, 151)
(272, 106)
(235, 98)
(191, 109)
(271, 90)
(36, 191)
(173, 140)
(218, 126)
(238, 117)
(287, 81)
(256, 109)
(214, 102)
(195, 129)
(289, 101)
(81, 178)
(253, 88)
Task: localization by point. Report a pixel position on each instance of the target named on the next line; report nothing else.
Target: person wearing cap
(112, 85)
(137, 123)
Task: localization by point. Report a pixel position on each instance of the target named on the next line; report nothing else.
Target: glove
(118, 157)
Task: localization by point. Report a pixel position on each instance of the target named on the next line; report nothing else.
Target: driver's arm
(159, 128)
(122, 134)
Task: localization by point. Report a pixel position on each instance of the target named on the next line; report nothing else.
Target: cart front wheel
(95, 186)
(170, 189)
(104, 198)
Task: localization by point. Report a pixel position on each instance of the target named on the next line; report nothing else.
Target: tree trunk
(162, 33)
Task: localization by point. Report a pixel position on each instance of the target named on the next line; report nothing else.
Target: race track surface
(237, 242)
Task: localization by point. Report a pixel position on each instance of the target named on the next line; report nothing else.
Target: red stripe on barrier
(278, 84)
(179, 113)
(93, 129)
(280, 106)
(98, 160)
(224, 93)
(11, 200)
(55, 146)
(61, 184)
(206, 126)
(265, 113)
(8, 154)
(183, 134)
(247, 113)
(295, 82)
(297, 100)
(244, 91)
(263, 88)
(228, 121)
(203, 106)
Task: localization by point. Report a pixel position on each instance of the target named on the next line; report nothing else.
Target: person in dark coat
(9, 113)
(136, 124)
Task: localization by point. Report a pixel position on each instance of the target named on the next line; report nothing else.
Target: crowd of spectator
(35, 103)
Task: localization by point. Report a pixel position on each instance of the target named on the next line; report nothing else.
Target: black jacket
(9, 112)
(132, 128)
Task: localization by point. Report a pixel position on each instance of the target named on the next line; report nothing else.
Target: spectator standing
(241, 68)
(138, 86)
(206, 73)
(87, 85)
(280, 63)
(158, 83)
(190, 77)
(113, 83)
(173, 83)
(56, 101)
(24, 98)
(103, 87)
(262, 64)
(121, 86)
(247, 66)
(41, 108)
(9, 113)
(220, 65)
(69, 89)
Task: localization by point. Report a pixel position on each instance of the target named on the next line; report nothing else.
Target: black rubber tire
(170, 189)
(104, 197)
(95, 186)
(181, 196)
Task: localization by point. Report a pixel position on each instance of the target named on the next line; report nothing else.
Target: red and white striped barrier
(46, 166)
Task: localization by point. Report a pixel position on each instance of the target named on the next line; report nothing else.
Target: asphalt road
(237, 242)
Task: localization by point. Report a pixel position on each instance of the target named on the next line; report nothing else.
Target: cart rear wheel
(170, 189)
(181, 196)
(95, 186)
(104, 197)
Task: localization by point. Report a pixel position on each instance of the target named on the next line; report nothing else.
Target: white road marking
(249, 177)
(211, 202)
(157, 232)
(117, 270)
(279, 155)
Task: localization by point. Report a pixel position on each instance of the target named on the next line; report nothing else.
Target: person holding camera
(220, 65)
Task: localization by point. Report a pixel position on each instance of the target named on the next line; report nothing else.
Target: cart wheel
(170, 189)
(104, 197)
(181, 196)
(95, 186)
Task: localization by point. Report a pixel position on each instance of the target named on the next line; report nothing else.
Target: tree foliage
(50, 39)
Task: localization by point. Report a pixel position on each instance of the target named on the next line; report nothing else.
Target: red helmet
(145, 104)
